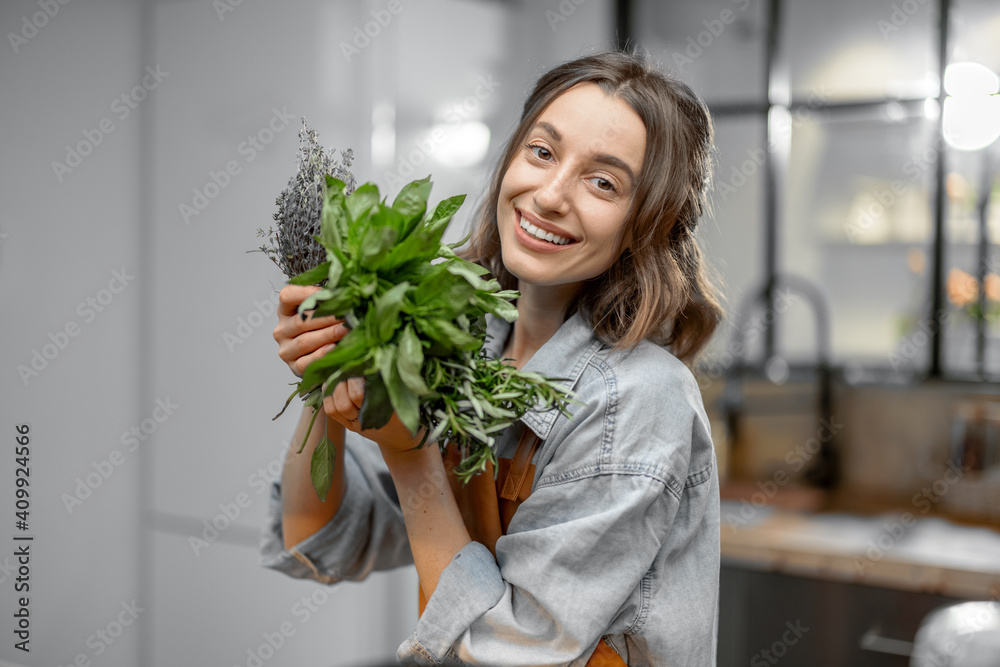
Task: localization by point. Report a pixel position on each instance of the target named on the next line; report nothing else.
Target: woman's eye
(604, 184)
(540, 152)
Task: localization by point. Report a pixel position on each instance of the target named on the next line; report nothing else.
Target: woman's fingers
(290, 323)
(356, 392)
(291, 349)
(291, 296)
(344, 403)
(306, 348)
(300, 364)
(300, 342)
(297, 340)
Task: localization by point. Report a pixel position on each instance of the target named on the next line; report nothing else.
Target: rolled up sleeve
(574, 552)
(367, 533)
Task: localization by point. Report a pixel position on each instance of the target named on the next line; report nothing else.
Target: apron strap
(518, 470)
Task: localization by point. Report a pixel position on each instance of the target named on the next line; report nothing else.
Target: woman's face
(572, 182)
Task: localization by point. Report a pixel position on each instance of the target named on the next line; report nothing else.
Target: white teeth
(539, 234)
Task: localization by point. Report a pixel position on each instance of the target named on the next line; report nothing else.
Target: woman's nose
(553, 192)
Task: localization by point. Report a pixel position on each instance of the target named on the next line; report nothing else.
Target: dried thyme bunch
(293, 245)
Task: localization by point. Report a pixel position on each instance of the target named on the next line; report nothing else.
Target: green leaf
(448, 334)
(333, 219)
(452, 302)
(335, 270)
(432, 284)
(444, 250)
(387, 308)
(404, 400)
(386, 216)
(458, 244)
(362, 199)
(471, 273)
(310, 301)
(367, 284)
(334, 185)
(434, 229)
(343, 300)
(350, 350)
(446, 208)
(474, 268)
(410, 360)
(313, 276)
(420, 245)
(398, 398)
(321, 469)
(503, 309)
(411, 202)
(376, 244)
(376, 408)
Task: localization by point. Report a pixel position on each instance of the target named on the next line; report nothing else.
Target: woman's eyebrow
(603, 158)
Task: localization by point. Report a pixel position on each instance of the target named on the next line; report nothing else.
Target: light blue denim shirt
(619, 537)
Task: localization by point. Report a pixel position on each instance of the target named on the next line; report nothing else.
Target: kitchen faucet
(823, 471)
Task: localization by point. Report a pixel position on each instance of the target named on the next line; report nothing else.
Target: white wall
(160, 337)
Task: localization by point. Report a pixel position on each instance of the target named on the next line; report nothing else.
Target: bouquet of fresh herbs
(416, 314)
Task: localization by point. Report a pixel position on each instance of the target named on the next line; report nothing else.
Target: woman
(607, 550)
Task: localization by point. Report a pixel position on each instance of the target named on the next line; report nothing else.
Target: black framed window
(843, 162)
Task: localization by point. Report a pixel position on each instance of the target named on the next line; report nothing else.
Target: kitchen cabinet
(767, 618)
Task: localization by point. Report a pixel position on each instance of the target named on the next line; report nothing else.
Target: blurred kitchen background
(852, 388)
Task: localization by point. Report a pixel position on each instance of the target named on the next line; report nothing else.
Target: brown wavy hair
(658, 289)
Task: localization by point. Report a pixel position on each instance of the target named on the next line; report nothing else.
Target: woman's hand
(301, 342)
(343, 405)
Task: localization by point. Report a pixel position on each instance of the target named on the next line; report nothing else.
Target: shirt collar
(562, 358)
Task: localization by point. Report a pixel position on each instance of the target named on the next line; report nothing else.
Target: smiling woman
(647, 141)
(596, 541)
(563, 201)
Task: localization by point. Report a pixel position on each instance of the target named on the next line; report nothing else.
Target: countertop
(896, 550)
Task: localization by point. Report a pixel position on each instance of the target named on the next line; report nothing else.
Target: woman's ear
(626, 241)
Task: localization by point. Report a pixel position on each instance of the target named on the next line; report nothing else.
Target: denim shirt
(619, 537)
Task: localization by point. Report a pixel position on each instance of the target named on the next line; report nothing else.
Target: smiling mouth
(541, 234)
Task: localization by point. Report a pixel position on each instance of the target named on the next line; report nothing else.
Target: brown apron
(487, 508)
